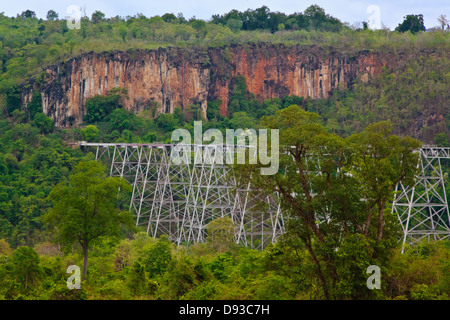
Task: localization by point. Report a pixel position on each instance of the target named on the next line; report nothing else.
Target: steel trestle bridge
(180, 199)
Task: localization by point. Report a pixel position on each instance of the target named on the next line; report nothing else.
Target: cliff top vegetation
(29, 44)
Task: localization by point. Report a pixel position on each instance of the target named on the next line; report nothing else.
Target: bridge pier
(179, 200)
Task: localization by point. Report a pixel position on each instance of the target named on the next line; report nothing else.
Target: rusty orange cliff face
(178, 77)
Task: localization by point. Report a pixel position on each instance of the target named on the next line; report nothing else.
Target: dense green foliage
(139, 267)
(98, 107)
(412, 23)
(148, 268)
(314, 18)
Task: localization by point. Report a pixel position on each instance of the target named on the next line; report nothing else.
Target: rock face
(175, 77)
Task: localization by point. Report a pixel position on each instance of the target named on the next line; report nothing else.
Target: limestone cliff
(181, 77)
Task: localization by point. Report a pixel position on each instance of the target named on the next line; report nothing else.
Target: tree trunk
(380, 220)
(85, 261)
(319, 270)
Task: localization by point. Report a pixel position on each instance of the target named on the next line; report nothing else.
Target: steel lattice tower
(179, 199)
(422, 208)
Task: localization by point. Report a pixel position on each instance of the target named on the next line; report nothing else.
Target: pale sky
(391, 12)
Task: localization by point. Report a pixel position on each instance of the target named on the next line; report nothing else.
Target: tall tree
(91, 132)
(28, 14)
(413, 23)
(168, 17)
(52, 15)
(316, 15)
(335, 192)
(97, 16)
(86, 208)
